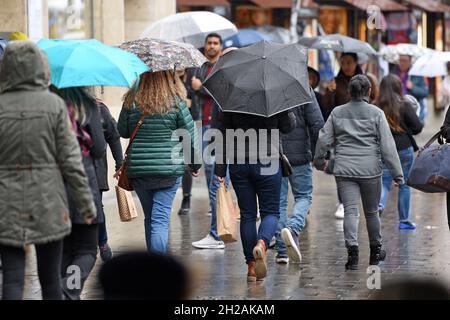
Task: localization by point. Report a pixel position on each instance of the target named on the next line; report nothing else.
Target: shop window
(70, 19)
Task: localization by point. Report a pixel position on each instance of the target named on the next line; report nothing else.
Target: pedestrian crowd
(54, 170)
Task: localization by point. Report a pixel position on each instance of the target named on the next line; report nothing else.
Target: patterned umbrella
(161, 55)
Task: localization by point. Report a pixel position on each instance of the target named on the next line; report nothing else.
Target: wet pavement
(221, 274)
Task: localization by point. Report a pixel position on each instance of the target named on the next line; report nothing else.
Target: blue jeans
(248, 183)
(157, 206)
(302, 189)
(213, 185)
(423, 114)
(404, 191)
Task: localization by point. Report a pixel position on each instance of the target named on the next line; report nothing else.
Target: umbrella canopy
(190, 27)
(162, 55)
(263, 79)
(431, 65)
(392, 53)
(337, 42)
(79, 63)
(244, 38)
(275, 34)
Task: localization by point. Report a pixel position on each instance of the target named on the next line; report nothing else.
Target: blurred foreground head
(144, 276)
(414, 289)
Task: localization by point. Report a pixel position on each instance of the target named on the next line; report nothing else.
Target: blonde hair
(156, 92)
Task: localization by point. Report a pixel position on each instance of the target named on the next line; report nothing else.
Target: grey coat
(38, 152)
(363, 141)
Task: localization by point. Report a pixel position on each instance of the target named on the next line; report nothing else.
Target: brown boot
(251, 275)
(259, 252)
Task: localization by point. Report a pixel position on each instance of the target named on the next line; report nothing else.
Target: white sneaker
(273, 242)
(209, 243)
(340, 212)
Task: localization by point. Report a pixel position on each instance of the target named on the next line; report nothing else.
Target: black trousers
(48, 263)
(79, 256)
(187, 183)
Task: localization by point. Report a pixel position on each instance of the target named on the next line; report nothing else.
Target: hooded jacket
(38, 152)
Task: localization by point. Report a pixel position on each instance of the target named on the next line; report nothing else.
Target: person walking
(362, 138)
(413, 85)
(254, 187)
(298, 146)
(112, 138)
(337, 94)
(403, 123)
(159, 102)
(80, 247)
(194, 108)
(210, 110)
(38, 154)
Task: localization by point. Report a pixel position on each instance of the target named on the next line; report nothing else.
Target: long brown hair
(391, 101)
(156, 92)
(375, 90)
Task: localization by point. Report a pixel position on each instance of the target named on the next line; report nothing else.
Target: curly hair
(156, 92)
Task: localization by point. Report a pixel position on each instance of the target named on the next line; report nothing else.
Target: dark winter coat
(285, 122)
(38, 153)
(112, 137)
(332, 99)
(299, 145)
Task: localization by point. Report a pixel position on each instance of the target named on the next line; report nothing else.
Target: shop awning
(384, 5)
(429, 5)
(287, 4)
(206, 3)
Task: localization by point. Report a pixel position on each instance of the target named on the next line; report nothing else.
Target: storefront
(71, 19)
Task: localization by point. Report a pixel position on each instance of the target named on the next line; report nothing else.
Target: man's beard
(212, 55)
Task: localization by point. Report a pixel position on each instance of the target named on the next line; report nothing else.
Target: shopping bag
(125, 202)
(430, 171)
(226, 215)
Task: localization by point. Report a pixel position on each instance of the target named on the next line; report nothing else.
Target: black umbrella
(263, 79)
(337, 42)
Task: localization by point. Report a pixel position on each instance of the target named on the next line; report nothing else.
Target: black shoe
(376, 255)
(353, 258)
(185, 206)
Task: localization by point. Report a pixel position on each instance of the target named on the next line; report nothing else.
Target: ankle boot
(353, 258)
(185, 205)
(376, 254)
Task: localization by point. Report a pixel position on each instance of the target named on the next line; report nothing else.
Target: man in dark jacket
(112, 137)
(209, 112)
(299, 148)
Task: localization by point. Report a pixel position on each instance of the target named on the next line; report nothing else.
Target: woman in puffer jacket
(154, 167)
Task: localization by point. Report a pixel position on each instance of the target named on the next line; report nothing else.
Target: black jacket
(112, 137)
(197, 101)
(299, 145)
(202, 94)
(411, 123)
(285, 122)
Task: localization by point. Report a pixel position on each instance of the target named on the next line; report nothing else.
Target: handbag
(123, 182)
(125, 202)
(286, 168)
(431, 169)
(226, 215)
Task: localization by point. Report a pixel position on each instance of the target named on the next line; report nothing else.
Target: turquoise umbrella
(79, 63)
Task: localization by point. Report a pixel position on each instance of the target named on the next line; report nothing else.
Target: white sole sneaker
(293, 250)
(216, 246)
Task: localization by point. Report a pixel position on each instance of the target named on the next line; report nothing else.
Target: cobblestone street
(221, 274)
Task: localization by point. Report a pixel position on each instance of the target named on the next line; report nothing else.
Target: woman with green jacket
(155, 160)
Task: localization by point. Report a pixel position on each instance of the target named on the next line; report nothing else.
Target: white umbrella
(431, 65)
(190, 27)
(392, 53)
